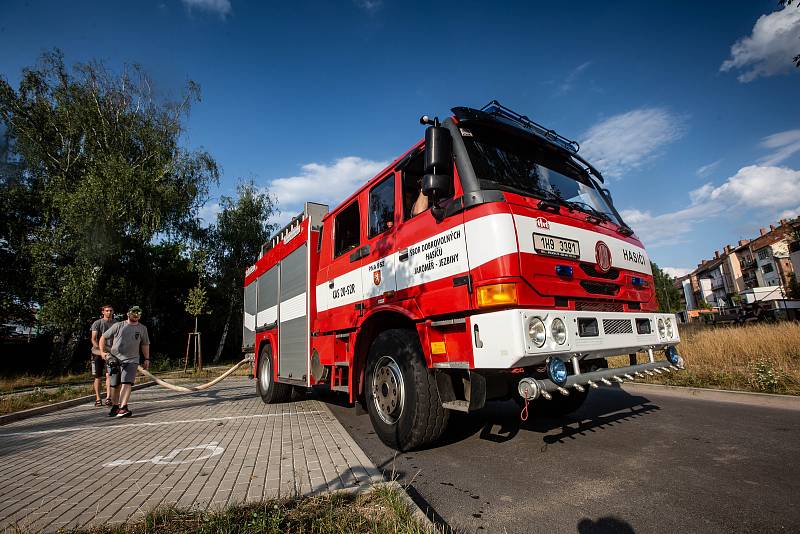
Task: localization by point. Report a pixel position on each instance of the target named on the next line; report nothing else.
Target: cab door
(432, 264)
(378, 270)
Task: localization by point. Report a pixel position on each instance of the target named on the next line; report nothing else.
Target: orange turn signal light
(496, 295)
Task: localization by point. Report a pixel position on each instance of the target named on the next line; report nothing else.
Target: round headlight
(669, 327)
(662, 329)
(672, 355)
(536, 332)
(559, 331)
(557, 371)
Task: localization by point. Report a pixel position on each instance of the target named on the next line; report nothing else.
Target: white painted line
(212, 448)
(162, 423)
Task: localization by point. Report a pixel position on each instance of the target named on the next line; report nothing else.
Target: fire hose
(183, 389)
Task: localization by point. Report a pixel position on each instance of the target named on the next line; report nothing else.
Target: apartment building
(764, 261)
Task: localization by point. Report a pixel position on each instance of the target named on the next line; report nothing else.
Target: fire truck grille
(588, 305)
(599, 288)
(592, 271)
(617, 326)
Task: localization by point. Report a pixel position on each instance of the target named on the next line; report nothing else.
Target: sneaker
(114, 410)
(124, 412)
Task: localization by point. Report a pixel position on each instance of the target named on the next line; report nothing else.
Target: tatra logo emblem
(376, 277)
(541, 222)
(603, 256)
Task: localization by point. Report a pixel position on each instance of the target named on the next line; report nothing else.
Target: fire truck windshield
(520, 164)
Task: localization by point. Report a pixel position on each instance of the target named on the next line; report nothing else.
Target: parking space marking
(150, 424)
(213, 449)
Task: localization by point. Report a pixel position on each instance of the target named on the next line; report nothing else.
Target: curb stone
(788, 402)
(48, 408)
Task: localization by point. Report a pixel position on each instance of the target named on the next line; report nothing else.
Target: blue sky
(689, 108)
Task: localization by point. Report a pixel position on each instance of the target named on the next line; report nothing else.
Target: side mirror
(438, 180)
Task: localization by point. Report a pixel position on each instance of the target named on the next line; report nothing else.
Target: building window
(381, 207)
(346, 234)
(763, 254)
(768, 268)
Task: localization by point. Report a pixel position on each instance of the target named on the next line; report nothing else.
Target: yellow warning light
(496, 295)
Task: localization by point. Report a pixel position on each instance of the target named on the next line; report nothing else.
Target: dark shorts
(98, 366)
(128, 372)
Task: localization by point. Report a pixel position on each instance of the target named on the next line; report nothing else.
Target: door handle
(403, 255)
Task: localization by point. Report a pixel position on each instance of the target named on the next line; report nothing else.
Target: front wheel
(402, 398)
(270, 391)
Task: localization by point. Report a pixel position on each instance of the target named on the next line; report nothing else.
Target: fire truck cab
(487, 262)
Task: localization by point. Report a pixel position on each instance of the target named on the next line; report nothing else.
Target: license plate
(556, 246)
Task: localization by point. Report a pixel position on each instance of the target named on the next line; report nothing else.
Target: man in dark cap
(129, 338)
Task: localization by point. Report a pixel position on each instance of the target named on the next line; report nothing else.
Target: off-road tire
(271, 392)
(421, 419)
(560, 405)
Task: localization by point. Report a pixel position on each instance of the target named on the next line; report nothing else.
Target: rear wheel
(401, 395)
(270, 391)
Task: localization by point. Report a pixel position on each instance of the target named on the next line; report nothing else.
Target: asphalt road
(626, 462)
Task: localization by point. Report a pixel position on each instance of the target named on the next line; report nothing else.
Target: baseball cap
(135, 309)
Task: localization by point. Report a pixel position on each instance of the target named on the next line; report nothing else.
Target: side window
(381, 207)
(414, 202)
(345, 230)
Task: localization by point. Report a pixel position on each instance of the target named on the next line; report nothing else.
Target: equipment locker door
(292, 316)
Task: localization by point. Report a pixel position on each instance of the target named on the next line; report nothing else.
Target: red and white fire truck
(488, 262)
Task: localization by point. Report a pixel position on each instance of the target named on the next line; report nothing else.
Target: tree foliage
(102, 187)
(234, 243)
(669, 298)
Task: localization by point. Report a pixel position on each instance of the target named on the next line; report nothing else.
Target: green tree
(669, 298)
(234, 242)
(110, 183)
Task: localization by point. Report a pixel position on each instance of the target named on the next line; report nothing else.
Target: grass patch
(761, 358)
(40, 397)
(381, 510)
(75, 386)
(14, 383)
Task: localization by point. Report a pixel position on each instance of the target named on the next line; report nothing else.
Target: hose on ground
(183, 389)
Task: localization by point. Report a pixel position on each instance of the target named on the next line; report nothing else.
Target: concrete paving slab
(78, 467)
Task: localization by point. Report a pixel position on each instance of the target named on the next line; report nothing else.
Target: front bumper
(500, 339)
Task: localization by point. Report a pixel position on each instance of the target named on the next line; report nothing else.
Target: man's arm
(94, 339)
(101, 344)
(146, 353)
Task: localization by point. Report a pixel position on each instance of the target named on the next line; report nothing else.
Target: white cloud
(784, 144)
(676, 272)
(569, 82)
(790, 213)
(221, 7)
(760, 187)
(758, 191)
(627, 141)
(327, 184)
(769, 49)
(705, 170)
(369, 5)
(208, 213)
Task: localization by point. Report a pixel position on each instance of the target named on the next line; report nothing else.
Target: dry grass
(759, 357)
(381, 510)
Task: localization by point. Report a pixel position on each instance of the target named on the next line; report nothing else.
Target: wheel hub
(388, 392)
